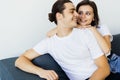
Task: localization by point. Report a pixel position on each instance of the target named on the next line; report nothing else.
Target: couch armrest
(9, 72)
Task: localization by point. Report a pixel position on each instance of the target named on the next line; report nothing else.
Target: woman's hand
(86, 26)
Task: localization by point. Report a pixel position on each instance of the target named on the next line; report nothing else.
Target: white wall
(23, 23)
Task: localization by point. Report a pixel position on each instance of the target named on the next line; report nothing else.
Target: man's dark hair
(58, 6)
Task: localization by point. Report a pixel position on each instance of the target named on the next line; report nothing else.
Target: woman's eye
(80, 13)
(88, 13)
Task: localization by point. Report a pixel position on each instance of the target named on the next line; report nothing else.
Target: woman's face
(86, 15)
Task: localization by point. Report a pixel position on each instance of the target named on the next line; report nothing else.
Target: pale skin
(86, 16)
(69, 15)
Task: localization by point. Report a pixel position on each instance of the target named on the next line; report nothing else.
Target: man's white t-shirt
(75, 53)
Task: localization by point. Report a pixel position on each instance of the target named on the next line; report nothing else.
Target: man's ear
(58, 16)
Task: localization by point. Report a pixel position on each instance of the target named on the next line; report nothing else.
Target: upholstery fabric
(9, 72)
(115, 48)
(116, 44)
(47, 62)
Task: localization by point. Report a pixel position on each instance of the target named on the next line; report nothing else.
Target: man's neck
(62, 31)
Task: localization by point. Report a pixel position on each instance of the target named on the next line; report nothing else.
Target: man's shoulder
(83, 31)
(77, 30)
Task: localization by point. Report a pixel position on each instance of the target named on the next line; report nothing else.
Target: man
(72, 48)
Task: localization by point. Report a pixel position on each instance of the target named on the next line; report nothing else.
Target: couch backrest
(116, 44)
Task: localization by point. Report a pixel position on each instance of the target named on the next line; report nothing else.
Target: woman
(89, 18)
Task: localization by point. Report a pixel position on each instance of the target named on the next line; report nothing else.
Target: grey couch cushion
(9, 72)
(47, 62)
(115, 49)
(116, 44)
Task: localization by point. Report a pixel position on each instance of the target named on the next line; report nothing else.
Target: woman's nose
(82, 15)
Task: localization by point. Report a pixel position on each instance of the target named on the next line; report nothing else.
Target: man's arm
(25, 64)
(103, 69)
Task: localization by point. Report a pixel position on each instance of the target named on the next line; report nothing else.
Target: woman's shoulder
(102, 26)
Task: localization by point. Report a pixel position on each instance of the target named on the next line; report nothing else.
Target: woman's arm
(52, 32)
(103, 41)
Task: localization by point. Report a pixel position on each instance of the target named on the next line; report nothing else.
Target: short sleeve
(93, 46)
(42, 46)
(103, 29)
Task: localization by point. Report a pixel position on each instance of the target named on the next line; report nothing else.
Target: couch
(9, 72)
